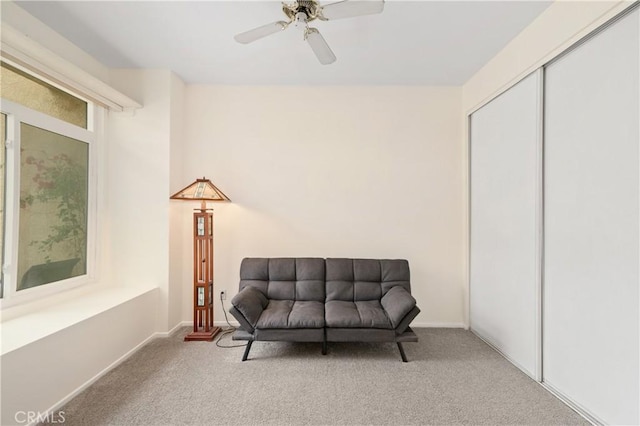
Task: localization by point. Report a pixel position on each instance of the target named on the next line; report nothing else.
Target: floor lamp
(202, 190)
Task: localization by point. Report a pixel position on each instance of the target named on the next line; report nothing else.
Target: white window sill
(19, 329)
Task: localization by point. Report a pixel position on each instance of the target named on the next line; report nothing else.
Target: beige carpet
(452, 378)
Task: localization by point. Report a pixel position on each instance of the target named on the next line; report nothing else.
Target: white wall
(557, 28)
(335, 172)
(47, 38)
(95, 333)
(41, 375)
(140, 171)
(176, 282)
(85, 331)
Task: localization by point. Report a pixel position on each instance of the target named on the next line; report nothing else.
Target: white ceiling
(411, 43)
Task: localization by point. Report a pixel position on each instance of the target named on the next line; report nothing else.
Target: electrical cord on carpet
(226, 331)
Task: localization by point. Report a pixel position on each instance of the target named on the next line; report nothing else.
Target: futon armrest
(398, 302)
(248, 305)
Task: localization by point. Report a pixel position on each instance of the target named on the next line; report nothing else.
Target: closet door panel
(591, 202)
(504, 152)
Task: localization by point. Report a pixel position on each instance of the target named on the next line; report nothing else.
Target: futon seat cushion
(359, 314)
(292, 314)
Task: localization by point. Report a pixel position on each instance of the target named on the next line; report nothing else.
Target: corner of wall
(177, 180)
(139, 151)
(19, 19)
(557, 28)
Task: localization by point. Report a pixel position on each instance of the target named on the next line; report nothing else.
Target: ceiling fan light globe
(300, 22)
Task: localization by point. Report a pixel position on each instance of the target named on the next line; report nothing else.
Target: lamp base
(203, 336)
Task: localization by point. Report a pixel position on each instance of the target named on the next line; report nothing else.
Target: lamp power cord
(226, 331)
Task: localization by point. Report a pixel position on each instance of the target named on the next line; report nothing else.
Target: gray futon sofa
(324, 300)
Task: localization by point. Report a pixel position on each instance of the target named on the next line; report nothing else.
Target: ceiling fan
(301, 12)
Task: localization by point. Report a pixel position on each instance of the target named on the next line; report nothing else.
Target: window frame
(17, 114)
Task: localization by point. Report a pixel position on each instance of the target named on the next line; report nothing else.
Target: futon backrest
(364, 279)
(285, 278)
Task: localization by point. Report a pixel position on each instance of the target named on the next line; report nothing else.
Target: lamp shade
(201, 190)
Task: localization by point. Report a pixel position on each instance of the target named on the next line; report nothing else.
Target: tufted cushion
(367, 270)
(395, 273)
(254, 269)
(361, 314)
(292, 314)
(285, 278)
(364, 279)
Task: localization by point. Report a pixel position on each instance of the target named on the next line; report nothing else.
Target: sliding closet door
(504, 262)
(591, 220)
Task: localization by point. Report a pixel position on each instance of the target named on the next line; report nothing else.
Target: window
(46, 187)
(22, 88)
(53, 207)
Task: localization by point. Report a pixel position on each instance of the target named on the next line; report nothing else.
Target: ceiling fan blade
(351, 8)
(320, 47)
(260, 32)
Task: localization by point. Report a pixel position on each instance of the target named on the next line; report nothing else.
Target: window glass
(53, 207)
(22, 88)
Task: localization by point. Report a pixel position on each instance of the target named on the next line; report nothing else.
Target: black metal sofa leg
(247, 349)
(402, 354)
(324, 347)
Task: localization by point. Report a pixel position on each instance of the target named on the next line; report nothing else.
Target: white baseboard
(495, 347)
(215, 323)
(573, 405)
(224, 323)
(416, 324)
(95, 378)
(173, 330)
(584, 413)
(85, 385)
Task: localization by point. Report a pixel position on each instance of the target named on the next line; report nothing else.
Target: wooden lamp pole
(203, 190)
(203, 328)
